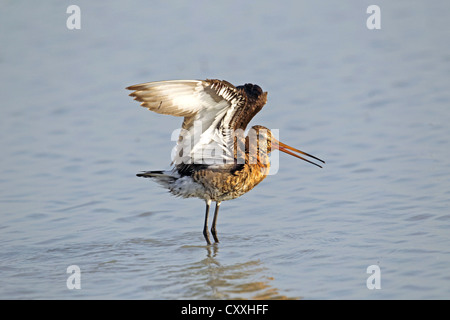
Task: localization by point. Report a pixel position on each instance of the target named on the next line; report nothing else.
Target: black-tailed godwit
(213, 160)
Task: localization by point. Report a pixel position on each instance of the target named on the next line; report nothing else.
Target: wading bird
(213, 160)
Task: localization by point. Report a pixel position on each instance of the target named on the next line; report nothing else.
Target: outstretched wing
(208, 107)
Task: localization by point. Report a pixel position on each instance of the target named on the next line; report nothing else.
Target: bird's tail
(164, 178)
(152, 174)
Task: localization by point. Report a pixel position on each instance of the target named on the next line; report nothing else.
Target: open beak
(285, 148)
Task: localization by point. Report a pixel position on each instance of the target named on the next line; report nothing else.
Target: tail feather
(152, 174)
(164, 178)
(160, 176)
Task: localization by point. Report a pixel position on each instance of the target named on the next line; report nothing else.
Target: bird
(213, 159)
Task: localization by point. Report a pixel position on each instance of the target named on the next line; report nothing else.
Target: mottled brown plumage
(221, 185)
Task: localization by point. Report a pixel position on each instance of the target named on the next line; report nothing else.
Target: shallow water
(373, 103)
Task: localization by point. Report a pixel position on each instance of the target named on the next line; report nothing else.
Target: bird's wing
(207, 106)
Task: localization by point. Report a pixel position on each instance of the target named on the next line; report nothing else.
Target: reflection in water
(244, 280)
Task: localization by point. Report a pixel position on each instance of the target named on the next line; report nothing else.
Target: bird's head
(266, 141)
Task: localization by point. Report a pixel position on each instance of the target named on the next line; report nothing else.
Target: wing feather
(176, 97)
(204, 104)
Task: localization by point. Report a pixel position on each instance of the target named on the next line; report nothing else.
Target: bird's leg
(213, 228)
(205, 227)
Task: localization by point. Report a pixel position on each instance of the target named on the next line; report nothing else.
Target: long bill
(285, 148)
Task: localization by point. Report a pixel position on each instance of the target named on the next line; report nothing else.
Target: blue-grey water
(375, 104)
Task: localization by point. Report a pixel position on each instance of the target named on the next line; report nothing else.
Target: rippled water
(374, 104)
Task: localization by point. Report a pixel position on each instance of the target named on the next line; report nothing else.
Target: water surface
(373, 103)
